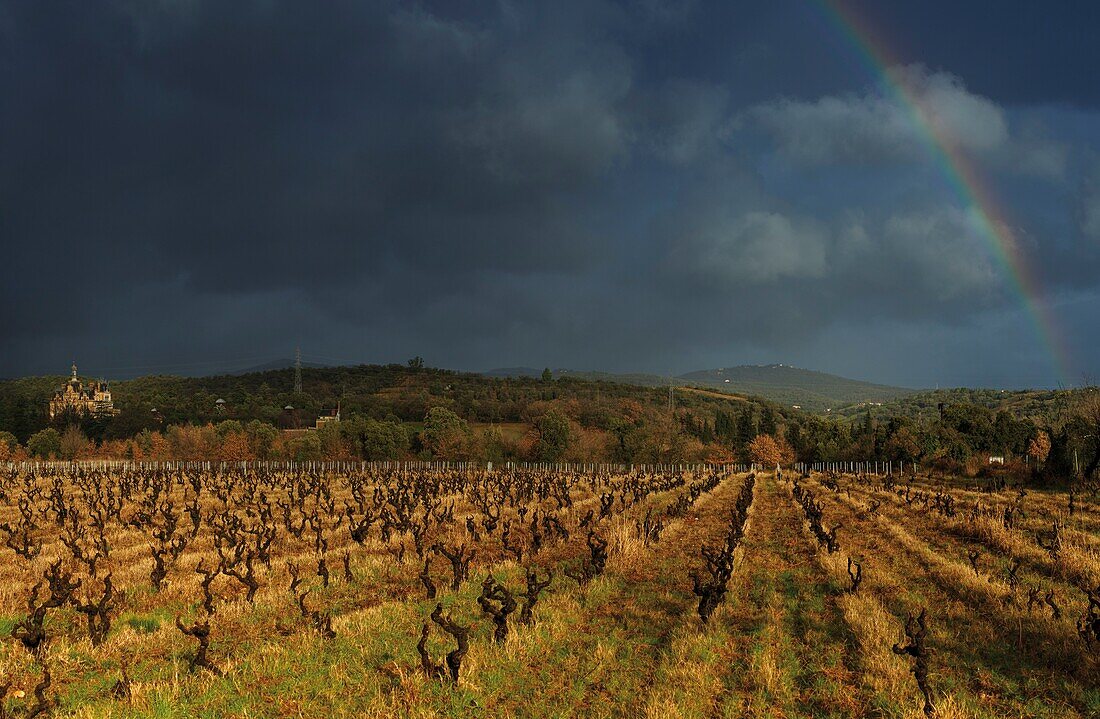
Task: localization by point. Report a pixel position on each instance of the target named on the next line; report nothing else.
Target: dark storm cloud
(245, 147)
(657, 186)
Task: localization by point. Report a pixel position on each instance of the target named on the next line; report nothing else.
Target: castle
(74, 397)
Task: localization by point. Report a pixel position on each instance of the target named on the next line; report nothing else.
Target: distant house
(996, 459)
(328, 417)
(298, 421)
(73, 396)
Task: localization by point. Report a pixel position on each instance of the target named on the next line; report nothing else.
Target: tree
(305, 447)
(227, 427)
(262, 437)
(555, 436)
(8, 441)
(332, 441)
(1039, 447)
(767, 421)
(191, 443)
(902, 445)
(768, 450)
(746, 427)
(626, 440)
(445, 433)
(9, 446)
(416, 363)
(236, 447)
(724, 428)
(868, 425)
(547, 375)
(492, 445)
(45, 444)
(73, 443)
(373, 440)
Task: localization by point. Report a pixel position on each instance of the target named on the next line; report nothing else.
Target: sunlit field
(374, 590)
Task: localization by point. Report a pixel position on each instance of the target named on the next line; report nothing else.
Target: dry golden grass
(787, 641)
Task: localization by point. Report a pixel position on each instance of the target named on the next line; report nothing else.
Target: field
(365, 590)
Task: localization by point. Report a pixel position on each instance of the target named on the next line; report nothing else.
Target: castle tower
(74, 397)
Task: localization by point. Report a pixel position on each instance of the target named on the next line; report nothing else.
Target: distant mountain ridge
(781, 383)
(512, 372)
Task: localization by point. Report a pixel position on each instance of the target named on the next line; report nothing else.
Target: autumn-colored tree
(191, 443)
(159, 447)
(114, 449)
(631, 410)
(1039, 447)
(236, 447)
(589, 445)
(768, 450)
(74, 445)
(134, 451)
(718, 454)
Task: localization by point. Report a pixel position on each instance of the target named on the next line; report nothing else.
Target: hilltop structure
(328, 417)
(73, 396)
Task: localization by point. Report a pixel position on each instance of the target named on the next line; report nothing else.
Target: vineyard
(432, 590)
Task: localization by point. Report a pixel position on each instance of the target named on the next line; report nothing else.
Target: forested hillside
(407, 412)
(1047, 407)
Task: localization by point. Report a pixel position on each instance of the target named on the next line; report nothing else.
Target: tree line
(412, 412)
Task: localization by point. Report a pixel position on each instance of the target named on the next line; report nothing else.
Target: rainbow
(964, 177)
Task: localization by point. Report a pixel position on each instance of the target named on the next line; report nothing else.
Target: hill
(392, 392)
(508, 418)
(513, 372)
(783, 384)
(1044, 407)
(787, 385)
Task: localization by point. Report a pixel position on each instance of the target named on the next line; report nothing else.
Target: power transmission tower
(297, 370)
(671, 398)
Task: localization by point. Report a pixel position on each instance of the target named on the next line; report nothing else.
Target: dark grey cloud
(592, 184)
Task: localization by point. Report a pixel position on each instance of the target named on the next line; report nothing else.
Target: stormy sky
(193, 185)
